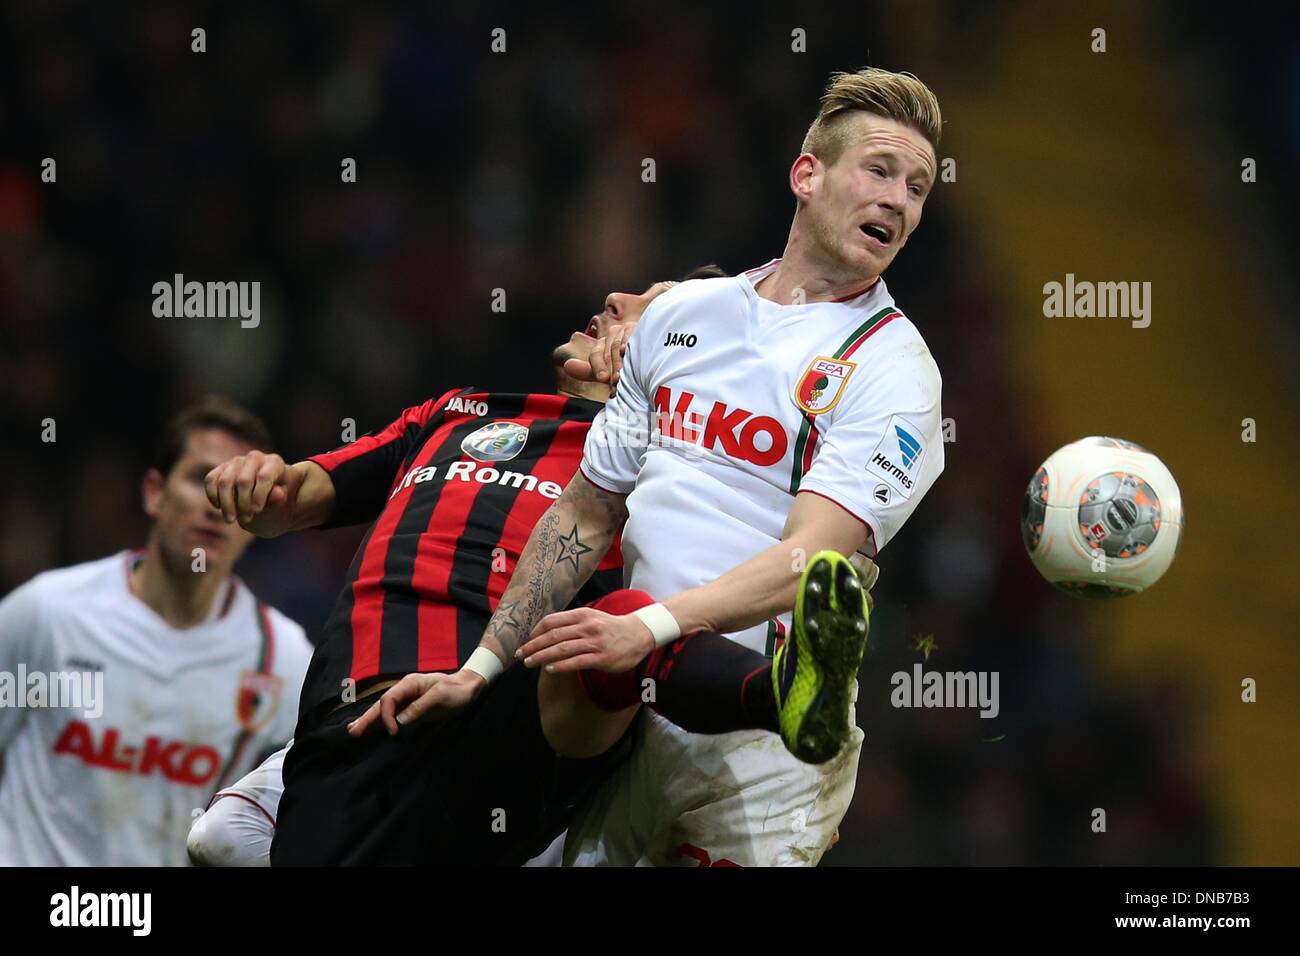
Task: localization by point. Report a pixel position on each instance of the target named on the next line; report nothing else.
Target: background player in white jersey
(193, 680)
(789, 410)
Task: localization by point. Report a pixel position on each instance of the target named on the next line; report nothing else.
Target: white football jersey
(730, 404)
(116, 728)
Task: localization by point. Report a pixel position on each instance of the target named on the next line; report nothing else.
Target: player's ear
(804, 176)
(151, 492)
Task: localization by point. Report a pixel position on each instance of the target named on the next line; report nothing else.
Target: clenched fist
(258, 490)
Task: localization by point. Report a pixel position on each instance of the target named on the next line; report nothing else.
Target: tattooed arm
(562, 552)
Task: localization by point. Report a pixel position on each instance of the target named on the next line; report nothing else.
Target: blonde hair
(897, 96)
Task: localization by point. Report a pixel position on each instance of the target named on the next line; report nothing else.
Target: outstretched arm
(765, 585)
(748, 594)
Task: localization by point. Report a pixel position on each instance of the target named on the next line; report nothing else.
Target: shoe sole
(830, 622)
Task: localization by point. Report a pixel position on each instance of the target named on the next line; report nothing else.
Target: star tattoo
(569, 548)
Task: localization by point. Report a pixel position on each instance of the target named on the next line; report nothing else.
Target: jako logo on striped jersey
(468, 406)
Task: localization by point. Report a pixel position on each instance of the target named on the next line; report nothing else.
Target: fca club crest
(496, 441)
(257, 698)
(822, 384)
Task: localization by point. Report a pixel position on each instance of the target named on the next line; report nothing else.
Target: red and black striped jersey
(453, 488)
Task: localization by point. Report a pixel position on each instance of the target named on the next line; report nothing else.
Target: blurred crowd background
(522, 171)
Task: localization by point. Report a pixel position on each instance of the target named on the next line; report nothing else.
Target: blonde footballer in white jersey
(758, 420)
(184, 679)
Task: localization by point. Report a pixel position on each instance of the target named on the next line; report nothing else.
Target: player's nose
(615, 305)
(894, 197)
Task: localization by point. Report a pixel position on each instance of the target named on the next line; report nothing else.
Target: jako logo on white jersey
(468, 406)
(738, 430)
(473, 471)
(176, 760)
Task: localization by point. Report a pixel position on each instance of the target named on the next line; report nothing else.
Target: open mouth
(592, 330)
(880, 233)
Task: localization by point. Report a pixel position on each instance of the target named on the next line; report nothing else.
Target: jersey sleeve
(882, 448)
(20, 633)
(363, 471)
(617, 439)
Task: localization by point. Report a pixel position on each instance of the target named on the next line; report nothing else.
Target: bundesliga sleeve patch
(822, 384)
(897, 456)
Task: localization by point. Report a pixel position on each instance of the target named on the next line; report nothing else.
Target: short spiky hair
(710, 271)
(213, 411)
(897, 96)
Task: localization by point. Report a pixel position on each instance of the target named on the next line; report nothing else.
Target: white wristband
(663, 626)
(484, 663)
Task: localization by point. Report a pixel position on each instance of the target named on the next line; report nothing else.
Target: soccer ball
(1102, 518)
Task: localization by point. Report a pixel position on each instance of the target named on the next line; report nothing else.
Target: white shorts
(735, 799)
(239, 823)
